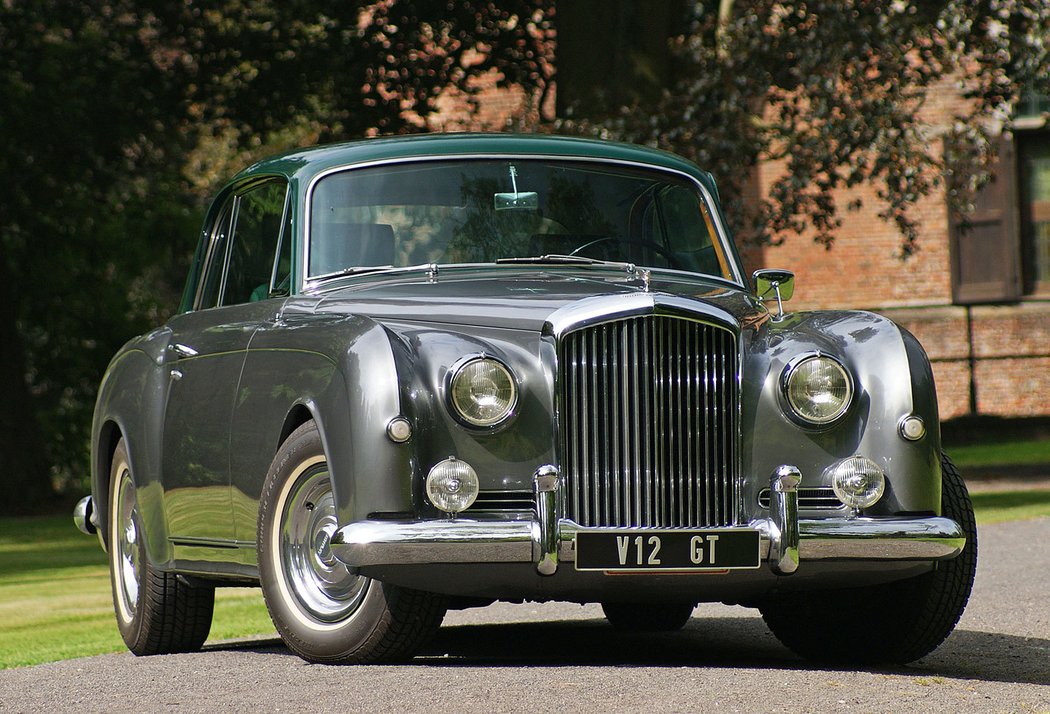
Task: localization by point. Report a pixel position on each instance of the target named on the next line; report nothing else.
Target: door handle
(182, 350)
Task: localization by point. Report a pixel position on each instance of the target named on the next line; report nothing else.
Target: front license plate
(667, 550)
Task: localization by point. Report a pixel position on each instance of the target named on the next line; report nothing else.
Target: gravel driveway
(564, 658)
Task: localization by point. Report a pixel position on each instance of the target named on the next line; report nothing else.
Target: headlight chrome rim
(797, 410)
(470, 414)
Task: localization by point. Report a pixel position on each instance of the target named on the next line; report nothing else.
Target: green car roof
(306, 163)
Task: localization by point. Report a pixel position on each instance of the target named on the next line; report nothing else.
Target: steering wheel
(596, 241)
(671, 258)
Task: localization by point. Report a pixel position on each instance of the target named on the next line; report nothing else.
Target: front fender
(130, 404)
(892, 380)
(341, 370)
(505, 456)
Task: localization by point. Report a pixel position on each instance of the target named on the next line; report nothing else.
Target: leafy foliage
(119, 119)
(836, 91)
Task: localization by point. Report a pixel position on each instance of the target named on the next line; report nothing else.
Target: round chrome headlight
(817, 389)
(452, 485)
(482, 392)
(858, 481)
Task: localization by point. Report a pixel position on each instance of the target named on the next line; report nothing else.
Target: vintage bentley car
(419, 373)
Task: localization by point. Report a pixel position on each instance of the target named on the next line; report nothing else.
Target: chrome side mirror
(780, 283)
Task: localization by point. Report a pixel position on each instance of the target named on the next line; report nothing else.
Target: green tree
(833, 88)
(119, 117)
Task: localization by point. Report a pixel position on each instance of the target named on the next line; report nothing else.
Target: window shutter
(985, 244)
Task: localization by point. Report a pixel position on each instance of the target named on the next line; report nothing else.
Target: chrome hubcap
(126, 550)
(320, 582)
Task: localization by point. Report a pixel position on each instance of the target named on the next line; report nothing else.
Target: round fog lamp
(858, 481)
(452, 485)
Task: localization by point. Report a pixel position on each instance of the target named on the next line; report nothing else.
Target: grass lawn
(1014, 453)
(55, 601)
(994, 507)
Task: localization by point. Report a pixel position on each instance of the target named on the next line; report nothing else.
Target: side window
(257, 227)
(216, 258)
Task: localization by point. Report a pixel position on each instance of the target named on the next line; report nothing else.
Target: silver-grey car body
(647, 418)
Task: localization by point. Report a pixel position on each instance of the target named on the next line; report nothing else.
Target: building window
(1033, 160)
(1032, 104)
(985, 252)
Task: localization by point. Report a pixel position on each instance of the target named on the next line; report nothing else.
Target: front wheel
(323, 611)
(894, 623)
(157, 613)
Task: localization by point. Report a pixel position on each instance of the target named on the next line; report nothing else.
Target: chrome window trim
(234, 203)
(229, 248)
(228, 216)
(307, 281)
(281, 237)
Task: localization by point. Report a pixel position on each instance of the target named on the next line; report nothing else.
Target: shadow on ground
(731, 642)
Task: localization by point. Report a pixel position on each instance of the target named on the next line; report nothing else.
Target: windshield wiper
(366, 269)
(557, 259)
(359, 270)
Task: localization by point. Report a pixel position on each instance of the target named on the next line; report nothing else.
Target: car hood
(515, 298)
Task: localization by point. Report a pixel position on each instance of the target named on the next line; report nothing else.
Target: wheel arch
(128, 408)
(149, 493)
(340, 373)
(110, 434)
(298, 415)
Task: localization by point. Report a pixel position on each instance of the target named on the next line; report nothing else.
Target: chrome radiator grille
(648, 418)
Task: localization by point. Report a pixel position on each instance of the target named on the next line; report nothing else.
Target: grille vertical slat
(711, 394)
(649, 423)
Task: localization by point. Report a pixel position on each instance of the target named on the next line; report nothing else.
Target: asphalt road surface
(564, 658)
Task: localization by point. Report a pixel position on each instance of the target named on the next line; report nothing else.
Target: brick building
(976, 294)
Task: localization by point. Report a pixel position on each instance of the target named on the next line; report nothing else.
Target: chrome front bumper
(547, 540)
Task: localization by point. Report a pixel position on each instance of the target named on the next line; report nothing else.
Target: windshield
(480, 211)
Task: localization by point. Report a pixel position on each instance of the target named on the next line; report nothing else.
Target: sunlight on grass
(1016, 453)
(55, 600)
(995, 507)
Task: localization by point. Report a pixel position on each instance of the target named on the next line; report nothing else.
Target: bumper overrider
(785, 540)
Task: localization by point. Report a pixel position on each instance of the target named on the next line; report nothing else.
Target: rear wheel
(323, 611)
(156, 612)
(893, 623)
(647, 617)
